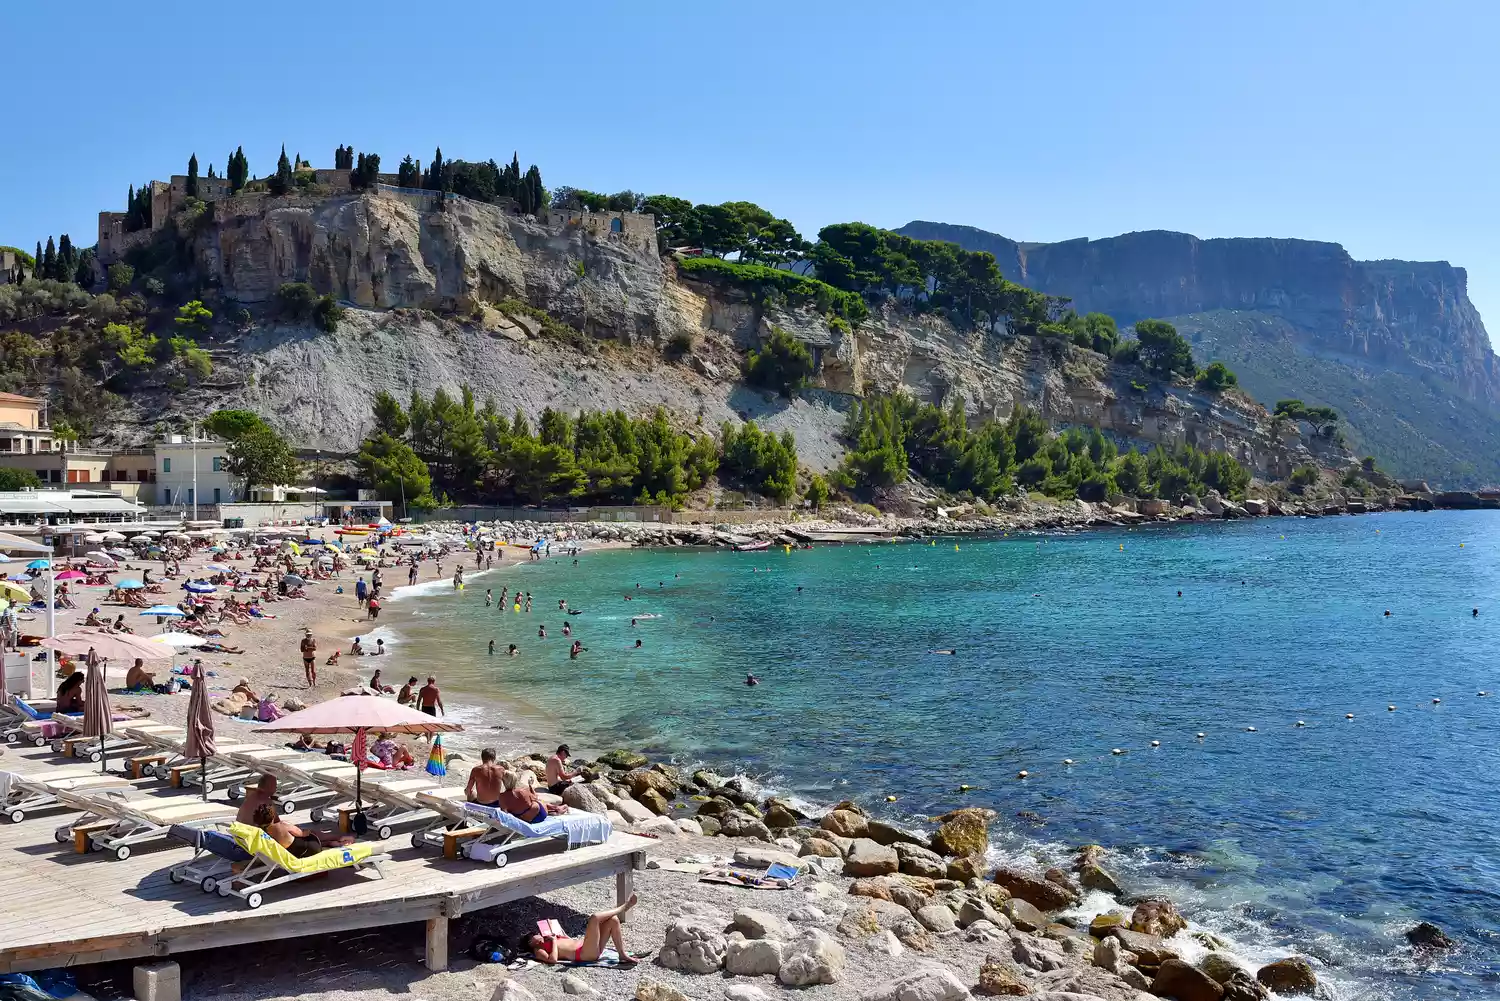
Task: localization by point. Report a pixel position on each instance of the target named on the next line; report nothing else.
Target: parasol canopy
(38, 564)
(292, 580)
(349, 713)
(198, 587)
(111, 646)
(14, 592)
(178, 641)
(165, 611)
(101, 558)
(129, 584)
(113, 537)
(72, 575)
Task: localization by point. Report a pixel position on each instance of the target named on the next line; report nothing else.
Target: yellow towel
(258, 842)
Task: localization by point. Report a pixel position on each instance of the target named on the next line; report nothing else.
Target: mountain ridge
(1411, 321)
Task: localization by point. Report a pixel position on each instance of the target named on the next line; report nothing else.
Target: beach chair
(251, 762)
(15, 710)
(272, 865)
(306, 778)
(386, 798)
(39, 726)
(112, 823)
(161, 747)
(118, 743)
(218, 771)
(215, 854)
(23, 794)
(486, 834)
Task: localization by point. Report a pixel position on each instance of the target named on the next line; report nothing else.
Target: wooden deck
(58, 908)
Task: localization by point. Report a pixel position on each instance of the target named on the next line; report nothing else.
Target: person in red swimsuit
(603, 928)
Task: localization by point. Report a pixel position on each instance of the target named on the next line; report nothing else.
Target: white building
(194, 470)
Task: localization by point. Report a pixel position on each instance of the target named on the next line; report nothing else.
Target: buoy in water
(1156, 743)
(1117, 750)
(1250, 729)
(1390, 709)
(1301, 723)
(1483, 694)
(1069, 761)
(1021, 774)
(1348, 715)
(890, 799)
(964, 788)
(1122, 547)
(1201, 735)
(1436, 701)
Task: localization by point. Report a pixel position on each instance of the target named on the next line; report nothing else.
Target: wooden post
(436, 956)
(624, 885)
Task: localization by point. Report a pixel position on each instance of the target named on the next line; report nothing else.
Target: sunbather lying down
(602, 929)
(302, 844)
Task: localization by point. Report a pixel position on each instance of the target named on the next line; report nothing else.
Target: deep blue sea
(1328, 839)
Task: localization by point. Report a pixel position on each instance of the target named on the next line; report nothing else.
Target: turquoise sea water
(1329, 839)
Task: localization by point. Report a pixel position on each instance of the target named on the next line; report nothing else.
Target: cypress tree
(210, 170)
(83, 273)
(36, 266)
(67, 259)
(434, 181)
(533, 192)
(283, 180)
(239, 169)
(192, 176)
(49, 267)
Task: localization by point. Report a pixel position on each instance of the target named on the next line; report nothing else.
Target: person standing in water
(489, 596)
(492, 648)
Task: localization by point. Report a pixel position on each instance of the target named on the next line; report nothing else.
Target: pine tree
(49, 266)
(408, 175)
(192, 176)
(282, 180)
(83, 272)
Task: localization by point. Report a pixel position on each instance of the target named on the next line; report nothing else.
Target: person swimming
(513, 650)
(637, 645)
(950, 653)
(751, 681)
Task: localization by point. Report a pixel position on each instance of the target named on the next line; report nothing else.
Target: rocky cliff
(436, 292)
(1396, 346)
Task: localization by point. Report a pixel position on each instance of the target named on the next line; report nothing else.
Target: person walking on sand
(485, 780)
(430, 700)
(310, 658)
(374, 607)
(360, 590)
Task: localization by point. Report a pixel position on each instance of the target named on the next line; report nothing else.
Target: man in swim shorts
(485, 780)
(558, 776)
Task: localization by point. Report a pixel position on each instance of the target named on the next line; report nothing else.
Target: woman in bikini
(603, 928)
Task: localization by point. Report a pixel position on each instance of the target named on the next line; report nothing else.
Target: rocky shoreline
(873, 889)
(1016, 515)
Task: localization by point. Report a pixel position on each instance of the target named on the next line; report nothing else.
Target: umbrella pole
(203, 776)
(103, 757)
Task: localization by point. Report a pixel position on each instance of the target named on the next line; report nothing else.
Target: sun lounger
(219, 771)
(39, 726)
(23, 794)
(251, 762)
(112, 823)
(486, 834)
(272, 865)
(15, 710)
(387, 799)
(115, 744)
(162, 747)
(305, 779)
(215, 854)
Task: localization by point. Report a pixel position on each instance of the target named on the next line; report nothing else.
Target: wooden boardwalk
(58, 908)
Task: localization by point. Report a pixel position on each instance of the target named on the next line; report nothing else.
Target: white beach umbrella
(112, 537)
(150, 533)
(93, 537)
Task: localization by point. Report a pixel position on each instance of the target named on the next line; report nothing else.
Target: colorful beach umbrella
(198, 587)
(120, 647)
(71, 575)
(38, 565)
(437, 761)
(129, 584)
(165, 611)
(11, 591)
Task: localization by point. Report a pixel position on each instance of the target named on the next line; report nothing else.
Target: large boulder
(925, 983)
(581, 796)
(885, 943)
(820, 847)
(623, 759)
(1150, 950)
(753, 923)
(779, 815)
(937, 918)
(509, 990)
(890, 834)
(987, 932)
(1094, 876)
(965, 831)
(869, 858)
(1024, 915)
(1157, 916)
(811, 958)
(741, 825)
(1110, 955)
(1000, 977)
(655, 802)
(974, 909)
(1176, 979)
(745, 992)
(1044, 893)
(692, 946)
(633, 812)
(638, 780)
(1102, 924)
(845, 823)
(1293, 975)
(1241, 986)
(1219, 965)
(752, 957)
(718, 806)
(1037, 953)
(968, 867)
(876, 887)
(1428, 937)
(756, 857)
(918, 861)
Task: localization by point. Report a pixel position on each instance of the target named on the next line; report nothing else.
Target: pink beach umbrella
(359, 714)
(71, 575)
(110, 646)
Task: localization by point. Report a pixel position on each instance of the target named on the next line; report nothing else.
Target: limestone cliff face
(1398, 315)
(387, 254)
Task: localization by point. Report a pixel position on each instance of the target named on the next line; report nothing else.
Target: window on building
(216, 495)
(166, 465)
(218, 463)
(190, 495)
(616, 226)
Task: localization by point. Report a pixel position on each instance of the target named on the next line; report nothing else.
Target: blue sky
(1371, 124)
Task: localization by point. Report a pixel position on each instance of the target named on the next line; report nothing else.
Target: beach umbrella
(71, 575)
(122, 647)
(98, 721)
(367, 551)
(11, 591)
(359, 714)
(101, 558)
(178, 641)
(292, 580)
(219, 568)
(198, 587)
(4, 558)
(149, 533)
(120, 554)
(291, 547)
(129, 584)
(112, 537)
(175, 535)
(437, 761)
(200, 725)
(165, 611)
(38, 565)
(93, 537)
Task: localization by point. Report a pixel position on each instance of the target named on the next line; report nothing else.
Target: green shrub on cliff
(783, 363)
(1216, 378)
(776, 284)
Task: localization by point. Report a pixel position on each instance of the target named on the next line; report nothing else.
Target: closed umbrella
(98, 721)
(200, 724)
(359, 714)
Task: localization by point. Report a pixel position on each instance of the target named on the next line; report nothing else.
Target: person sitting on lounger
(603, 928)
(302, 844)
(263, 793)
(70, 694)
(486, 780)
(138, 678)
(519, 799)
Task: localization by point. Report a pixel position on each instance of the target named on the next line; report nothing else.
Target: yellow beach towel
(258, 842)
